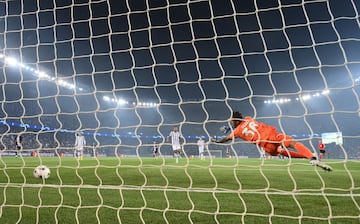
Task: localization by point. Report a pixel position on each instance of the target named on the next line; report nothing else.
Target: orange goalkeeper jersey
(253, 131)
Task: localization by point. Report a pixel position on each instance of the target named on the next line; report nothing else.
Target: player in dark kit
(321, 149)
(155, 149)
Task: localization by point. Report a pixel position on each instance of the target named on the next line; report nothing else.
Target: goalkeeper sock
(291, 154)
(302, 149)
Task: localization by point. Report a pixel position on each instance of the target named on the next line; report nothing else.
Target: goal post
(125, 74)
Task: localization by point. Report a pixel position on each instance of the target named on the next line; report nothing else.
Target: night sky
(199, 59)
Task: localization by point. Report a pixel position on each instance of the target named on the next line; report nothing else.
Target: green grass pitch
(149, 190)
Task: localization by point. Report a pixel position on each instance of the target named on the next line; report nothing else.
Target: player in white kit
(201, 147)
(79, 145)
(175, 136)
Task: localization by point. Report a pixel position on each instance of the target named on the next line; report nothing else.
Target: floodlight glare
(11, 61)
(121, 102)
(325, 92)
(306, 97)
(43, 75)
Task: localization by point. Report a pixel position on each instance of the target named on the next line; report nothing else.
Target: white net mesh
(125, 73)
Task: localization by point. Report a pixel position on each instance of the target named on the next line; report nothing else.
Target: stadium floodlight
(71, 86)
(22, 65)
(303, 97)
(325, 92)
(43, 75)
(280, 101)
(121, 102)
(106, 98)
(40, 74)
(146, 104)
(117, 101)
(306, 97)
(60, 82)
(11, 61)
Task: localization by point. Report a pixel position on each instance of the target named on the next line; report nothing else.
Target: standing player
(155, 149)
(269, 139)
(321, 149)
(18, 144)
(79, 145)
(262, 153)
(175, 136)
(201, 146)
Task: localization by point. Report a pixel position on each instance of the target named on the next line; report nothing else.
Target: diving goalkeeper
(269, 139)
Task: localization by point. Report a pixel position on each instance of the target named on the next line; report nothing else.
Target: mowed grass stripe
(137, 190)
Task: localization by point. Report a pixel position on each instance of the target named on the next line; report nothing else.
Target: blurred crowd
(63, 143)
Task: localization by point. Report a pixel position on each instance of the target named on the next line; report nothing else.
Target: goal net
(124, 74)
(212, 154)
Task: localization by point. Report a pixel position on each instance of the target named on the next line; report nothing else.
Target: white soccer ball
(42, 172)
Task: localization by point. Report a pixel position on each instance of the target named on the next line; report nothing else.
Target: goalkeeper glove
(215, 140)
(225, 129)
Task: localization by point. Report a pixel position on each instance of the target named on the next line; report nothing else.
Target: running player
(269, 139)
